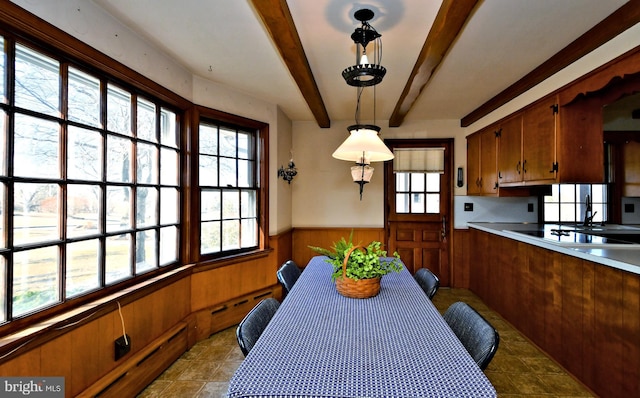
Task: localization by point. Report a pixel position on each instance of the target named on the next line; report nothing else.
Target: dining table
(322, 344)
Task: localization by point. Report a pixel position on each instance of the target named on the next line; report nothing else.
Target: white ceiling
(226, 42)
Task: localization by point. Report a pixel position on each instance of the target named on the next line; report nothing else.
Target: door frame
(448, 144)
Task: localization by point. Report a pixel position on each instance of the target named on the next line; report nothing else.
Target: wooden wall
(584, 314)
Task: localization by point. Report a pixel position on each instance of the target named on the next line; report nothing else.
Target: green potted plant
(357, 269)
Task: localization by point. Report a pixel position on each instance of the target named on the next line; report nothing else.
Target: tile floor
(518, 369)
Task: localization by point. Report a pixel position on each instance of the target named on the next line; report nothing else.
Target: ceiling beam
(620, 20)
(277, 19)
(452, 16)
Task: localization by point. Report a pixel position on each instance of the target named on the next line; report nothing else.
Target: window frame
(207, 115)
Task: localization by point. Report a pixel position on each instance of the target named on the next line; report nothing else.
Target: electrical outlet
(530, 207)
(122, 346)
(629, 208)
(468, 207)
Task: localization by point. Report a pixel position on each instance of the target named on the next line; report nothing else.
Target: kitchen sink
(573, 236)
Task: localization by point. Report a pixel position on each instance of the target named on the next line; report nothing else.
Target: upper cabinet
(548, 144)
(481, 162)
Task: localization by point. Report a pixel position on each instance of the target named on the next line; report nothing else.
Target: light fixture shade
(364, 142)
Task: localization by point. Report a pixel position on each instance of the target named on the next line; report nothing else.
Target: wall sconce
(288, 173)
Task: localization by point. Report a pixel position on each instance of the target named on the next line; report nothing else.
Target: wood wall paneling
(325, 237)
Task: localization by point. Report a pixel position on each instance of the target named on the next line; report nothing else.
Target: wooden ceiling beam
(451, 17)
(620, 20)
(277, 19)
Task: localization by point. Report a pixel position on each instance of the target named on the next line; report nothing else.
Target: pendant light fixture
(364, 145)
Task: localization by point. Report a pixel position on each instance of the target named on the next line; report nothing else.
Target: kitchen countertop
(621, 256)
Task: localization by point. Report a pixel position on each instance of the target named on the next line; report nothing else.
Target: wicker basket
(361, 288)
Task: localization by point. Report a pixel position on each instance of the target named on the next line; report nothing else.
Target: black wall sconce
(288, 173)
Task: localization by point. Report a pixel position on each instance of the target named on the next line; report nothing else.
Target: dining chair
(477, 335)
(428, 281)
(254, 323)
(287, 275)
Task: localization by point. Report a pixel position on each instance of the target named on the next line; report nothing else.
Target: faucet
(588, 212)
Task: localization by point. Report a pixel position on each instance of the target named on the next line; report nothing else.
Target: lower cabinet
(584, 314)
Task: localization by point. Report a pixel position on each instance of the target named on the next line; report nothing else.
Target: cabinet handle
(500, 174)
(518, 167)
(524, 166)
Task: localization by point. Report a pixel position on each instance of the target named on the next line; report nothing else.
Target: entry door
(418, 209)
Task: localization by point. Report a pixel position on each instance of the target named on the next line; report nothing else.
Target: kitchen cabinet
(548, 144)
(481, 162)
(583, 314)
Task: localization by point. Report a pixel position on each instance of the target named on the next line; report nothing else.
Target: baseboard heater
(135, 373)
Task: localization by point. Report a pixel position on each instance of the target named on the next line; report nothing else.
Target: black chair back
(428, 281)
(476, 333)
(287, 275)
(254, 323)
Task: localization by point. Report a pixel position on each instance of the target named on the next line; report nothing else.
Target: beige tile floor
(518, 369)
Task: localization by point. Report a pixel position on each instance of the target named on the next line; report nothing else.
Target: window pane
(245, 173)
(169, 167)
(36, 147)
(210, 237)
(84, 98)
(84, 154)
(3, 94)
(417, 203)
(118, 258)
(35, 279)
(417, 182)
(249, 204)
(228, 172)
(168, 206)
(35, 213)
(146, 120)
(168, 245)
(118, 110)
(249, 233)
(3, 215)
(147, 172)
(146, 242)
(230, 235)
(3, 135)
(568, 193)
(37, 82)
(118, 159)
(208, 171)
(3, 291)
(402, 182)
(245, 145)
(208, 139)
(146, 206)
(402, 203)
(230, 204)
(210, 205)
(169, 131)
(433, 203)
(83, 210)
(83, 268)
(227, 142)
(433, 182)
(118, 208)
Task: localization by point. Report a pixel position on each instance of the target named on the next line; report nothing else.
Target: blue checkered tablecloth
(321, 344)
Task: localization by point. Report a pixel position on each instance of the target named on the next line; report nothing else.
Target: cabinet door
(510, 153)
(488, 172)
(473, 164)
(539, 141)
